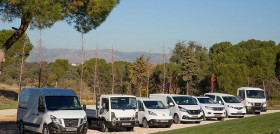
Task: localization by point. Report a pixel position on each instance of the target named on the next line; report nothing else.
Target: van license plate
(126, 124)
(71, 129)
(163, 120)
(239, 111)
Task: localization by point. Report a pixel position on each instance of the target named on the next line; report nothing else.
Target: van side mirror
(84, 107)
(41, 108)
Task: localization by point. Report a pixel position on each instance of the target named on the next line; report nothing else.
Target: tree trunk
(187, 88)
(9, 43)
(263, 85)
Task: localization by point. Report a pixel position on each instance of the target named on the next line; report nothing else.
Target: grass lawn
(251, 125)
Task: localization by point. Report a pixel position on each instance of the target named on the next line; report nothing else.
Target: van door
(32, 105)
(104, 111)
(141, 112)
(39, 114)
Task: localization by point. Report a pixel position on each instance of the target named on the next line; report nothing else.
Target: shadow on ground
(9, 94)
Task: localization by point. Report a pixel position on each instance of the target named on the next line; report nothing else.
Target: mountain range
(74, 55)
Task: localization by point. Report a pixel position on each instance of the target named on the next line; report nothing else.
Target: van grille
(218, 109)
(258, 104)
(125, 119)
(71, 122)
(194, 111)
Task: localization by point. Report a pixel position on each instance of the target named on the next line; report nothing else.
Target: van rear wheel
(45, 130)
(21, 128)
(130, 129)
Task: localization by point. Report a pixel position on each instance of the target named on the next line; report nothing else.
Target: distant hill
(74, 55)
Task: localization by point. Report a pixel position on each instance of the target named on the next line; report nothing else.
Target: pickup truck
(113, 111)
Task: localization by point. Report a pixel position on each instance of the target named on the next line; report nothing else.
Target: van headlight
(208, 107)
(182, 109)
(84, 120)
(55, 120)
(152, 113)
(230, 106)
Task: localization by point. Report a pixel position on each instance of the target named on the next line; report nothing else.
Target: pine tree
(188, 67)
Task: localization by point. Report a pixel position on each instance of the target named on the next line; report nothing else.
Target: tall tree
(188, 67)
(86, 15)
(59, 67)
(138, 73)
(177, 52)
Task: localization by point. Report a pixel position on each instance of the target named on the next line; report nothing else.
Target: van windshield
(206, 100)
(63, 103)
(230, 99)
(184, 100)
(123, 103)
(255, 94)
(154, 105)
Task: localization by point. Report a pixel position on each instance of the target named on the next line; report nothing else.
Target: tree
(188, 67)
(177, 52)
(59, 67)
(15, 53)
(86, 15)
(138, 73)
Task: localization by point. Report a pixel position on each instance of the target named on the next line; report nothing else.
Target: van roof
(249, 88)
(169, 95)
(116, 95)
(146, 99)
(52, 91)
(200, 96)
(219, 94)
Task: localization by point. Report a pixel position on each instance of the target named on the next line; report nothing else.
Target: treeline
(189, 70)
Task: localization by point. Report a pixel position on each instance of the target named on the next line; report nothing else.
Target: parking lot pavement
(8, 124)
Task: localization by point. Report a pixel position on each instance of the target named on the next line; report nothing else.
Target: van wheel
(204, 117)
(220, 119)
(145, 123)
(176, 119)
(257, 113)
(168, 126)
(197, 122)
(103, 127)
(45, 130)
(130, 129)
(21, 128)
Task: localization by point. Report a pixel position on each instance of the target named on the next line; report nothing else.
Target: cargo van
(254, 99)
(232, 105)
(152, 112)
(183, 107)
(50, 110)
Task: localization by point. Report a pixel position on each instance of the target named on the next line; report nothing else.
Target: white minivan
(50, 110)
(183, 107)
(232, 105)
(210, 108)
(153, 112)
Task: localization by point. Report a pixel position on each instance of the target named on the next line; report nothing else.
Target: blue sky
(143, 25)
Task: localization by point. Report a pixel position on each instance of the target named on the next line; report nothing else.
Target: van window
(140, 106)
(62, 103)
(242, 94)
(106, 101)
(168, 100)
(219, 99)
(211, 96)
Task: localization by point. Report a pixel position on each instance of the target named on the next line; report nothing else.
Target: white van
(210, 108)
(50, 110)
(254, 99)
(232, 105)
(153, 112)
(183, 107)
(114, 111)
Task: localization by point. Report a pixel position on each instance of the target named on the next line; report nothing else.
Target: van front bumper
(160, 122)
(124, 124)
(59, 129)
(251, 109)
